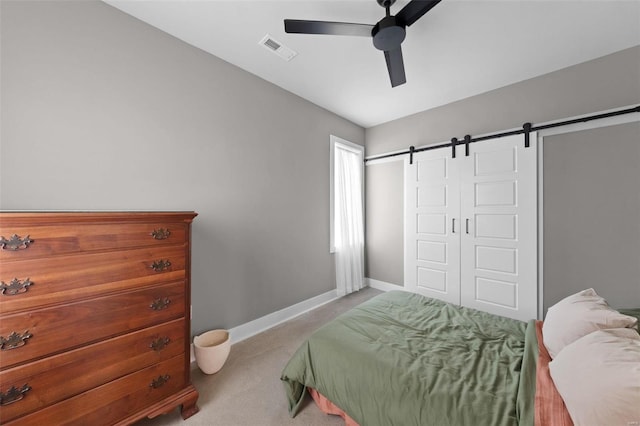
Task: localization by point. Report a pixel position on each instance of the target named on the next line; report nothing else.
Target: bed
(404, 359)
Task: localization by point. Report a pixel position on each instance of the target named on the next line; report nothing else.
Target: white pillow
(578, 315)
(598, 377)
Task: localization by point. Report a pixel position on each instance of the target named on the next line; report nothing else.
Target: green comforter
(402, 359)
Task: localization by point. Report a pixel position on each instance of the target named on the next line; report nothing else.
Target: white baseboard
(383, 285)
(266, 322)
(251, 328)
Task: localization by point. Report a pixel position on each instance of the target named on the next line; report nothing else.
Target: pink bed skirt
(329, 407)
(549, 406)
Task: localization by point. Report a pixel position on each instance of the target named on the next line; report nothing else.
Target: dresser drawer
(36, 241)
(28, 284)
(50, 330)
(68, 374)
(116, 400)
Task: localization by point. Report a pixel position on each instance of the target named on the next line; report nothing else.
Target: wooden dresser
(94, 317)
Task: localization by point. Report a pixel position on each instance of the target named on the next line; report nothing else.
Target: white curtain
(348, 220)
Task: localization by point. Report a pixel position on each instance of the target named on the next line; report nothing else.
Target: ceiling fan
(387, 34)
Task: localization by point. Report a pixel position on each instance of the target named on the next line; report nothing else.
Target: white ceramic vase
(212, 349)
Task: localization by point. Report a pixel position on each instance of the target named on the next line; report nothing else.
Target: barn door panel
(499, 242)
(432, 226)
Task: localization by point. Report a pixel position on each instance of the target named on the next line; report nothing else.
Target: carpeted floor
(247, 391)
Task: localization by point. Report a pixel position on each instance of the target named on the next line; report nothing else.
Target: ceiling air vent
(276, 47)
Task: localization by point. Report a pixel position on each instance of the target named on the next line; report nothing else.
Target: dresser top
(61, 217)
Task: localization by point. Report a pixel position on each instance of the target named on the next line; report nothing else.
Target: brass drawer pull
(14, 287)
(160, 343)
(160, 304)
(160, 265)
(160, 234)
(159, 382)
(15, 243)
(13, 395)
(14, 340)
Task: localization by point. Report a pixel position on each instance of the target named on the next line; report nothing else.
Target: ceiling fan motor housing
(386, 3)
(388, 34)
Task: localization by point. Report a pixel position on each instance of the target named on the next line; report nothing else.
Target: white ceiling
(458, 49)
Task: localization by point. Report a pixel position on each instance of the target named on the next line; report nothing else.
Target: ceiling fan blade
(325, 27)
(414, 10)
(395, 65)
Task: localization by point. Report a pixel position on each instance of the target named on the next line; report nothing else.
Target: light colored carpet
(248, 391)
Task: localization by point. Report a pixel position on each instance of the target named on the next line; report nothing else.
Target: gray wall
(101, 111)
(385, 220)
(592, 214)
(609, 82)
(604, 83)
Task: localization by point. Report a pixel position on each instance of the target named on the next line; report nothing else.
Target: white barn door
(432, 225)
(471, 226)
(499, 242)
